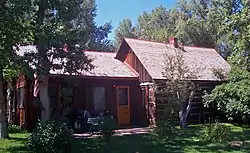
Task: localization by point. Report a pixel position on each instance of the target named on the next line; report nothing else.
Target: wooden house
(121, 82)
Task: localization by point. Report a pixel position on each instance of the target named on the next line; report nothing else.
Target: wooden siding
(26, 115)
(131, 59)
(198, 113)
(136, 107)
(83, 98)
(135, 63)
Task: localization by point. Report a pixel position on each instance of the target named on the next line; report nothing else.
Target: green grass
(15, 144)
(188, 141)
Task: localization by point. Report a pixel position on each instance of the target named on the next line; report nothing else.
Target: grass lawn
(189, 141)
(15, 144)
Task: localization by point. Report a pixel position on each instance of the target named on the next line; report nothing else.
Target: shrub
(107, 128)
(50, 137)
(12, 128)
(164, 129)
(216, 132)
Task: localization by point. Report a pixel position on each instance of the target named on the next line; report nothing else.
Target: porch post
(149, 102)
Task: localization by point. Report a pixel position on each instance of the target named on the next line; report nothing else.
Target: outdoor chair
(95, 123)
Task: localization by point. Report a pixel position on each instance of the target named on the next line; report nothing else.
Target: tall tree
(125, 29)
(233, 98)
(194, 27)
(200, 21)
(194, 22)
(154, 25)
(62, 30)
(178, 88)
(14, 29)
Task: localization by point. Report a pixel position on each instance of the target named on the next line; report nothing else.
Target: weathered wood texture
(132, 60)
(83, 98)
(128, 56)
(198, 113)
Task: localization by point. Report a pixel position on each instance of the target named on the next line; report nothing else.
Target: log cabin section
(136, 62)
(148, 58)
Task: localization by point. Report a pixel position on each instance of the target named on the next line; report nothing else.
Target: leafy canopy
(125, 29)
(233, 97)
(177, 88)
(62, 30)
(14, 30)
(194, 22)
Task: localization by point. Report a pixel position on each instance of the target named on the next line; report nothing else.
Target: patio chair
(95, 123)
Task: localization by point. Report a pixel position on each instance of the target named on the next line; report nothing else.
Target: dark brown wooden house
(122, 82)
(149, 60)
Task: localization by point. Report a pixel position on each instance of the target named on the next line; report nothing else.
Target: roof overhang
(122, 50)
(94, 77)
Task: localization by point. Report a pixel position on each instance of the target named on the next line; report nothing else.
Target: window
(20, 97)
(99, 98)
(123, 96)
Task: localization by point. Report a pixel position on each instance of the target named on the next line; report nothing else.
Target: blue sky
(117, 10)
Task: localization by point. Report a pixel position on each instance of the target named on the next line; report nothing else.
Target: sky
(117, 10)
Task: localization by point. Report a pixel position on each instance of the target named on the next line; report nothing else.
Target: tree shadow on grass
(21, 140)
(191, 139)
(188, 140)
(125, 144)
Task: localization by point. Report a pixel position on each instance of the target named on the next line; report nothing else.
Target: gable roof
(152, 55)
(105, 65)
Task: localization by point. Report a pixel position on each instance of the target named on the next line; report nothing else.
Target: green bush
(164, 129)
(216, 132)
(50, 137)
(12, 128)
(107, 128)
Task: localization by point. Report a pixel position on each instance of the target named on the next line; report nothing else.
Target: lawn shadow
(188, 140)
(192, 139)
(246, 133)
(20, 139)
(144, 143)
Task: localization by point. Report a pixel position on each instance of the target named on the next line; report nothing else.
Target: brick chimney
(173, 41)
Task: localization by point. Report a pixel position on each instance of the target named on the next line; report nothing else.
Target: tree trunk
(9, 102)
(44, 98)
(184, 112)
(3, 118)
(14, 103)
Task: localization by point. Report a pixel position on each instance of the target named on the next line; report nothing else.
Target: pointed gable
(152, 56)
(128, 56)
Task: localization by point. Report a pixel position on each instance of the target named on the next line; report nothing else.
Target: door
(123, 105)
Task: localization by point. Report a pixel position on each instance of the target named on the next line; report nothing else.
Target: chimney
(173, 41)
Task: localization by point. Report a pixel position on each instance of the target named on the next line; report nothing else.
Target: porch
(121, 97)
